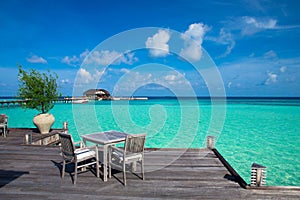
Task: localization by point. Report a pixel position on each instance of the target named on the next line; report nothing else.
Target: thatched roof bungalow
(97, 94)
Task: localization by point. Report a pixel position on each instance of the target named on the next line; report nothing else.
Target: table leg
(83, 169)
(104, 163)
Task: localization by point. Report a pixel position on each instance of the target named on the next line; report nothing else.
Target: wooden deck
(33, 172)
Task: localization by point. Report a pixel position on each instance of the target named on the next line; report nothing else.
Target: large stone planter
(44, 122)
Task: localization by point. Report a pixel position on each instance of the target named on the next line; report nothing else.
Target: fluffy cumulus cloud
(36, 59)
(83, 76)
(193, 38)
(86, 77)
(158, 44)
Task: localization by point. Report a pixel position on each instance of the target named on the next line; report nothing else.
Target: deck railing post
(210, 142)
(28, 138)
(65, 127)
(258, 175)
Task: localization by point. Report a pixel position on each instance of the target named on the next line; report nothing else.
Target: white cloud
(140, 77)
(272, 78)
(260, 23)
(251, 25)
(106, 57)
(283, 69)
(127, 58)
(270, 54)
(75, 60)
(36, 59)
(85, 77)
(192, 52)
(72, 61)
(229, 84)
(225, 38)
(84, 54)
(257, 74)
(248, 25)
(103, 57)
(195, 32)
(158, 44)
(175, 78)
(170, 77)
(65, 81)
(193, 38)
(124, 70)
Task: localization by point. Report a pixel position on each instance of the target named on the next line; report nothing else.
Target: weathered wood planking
(33, 172)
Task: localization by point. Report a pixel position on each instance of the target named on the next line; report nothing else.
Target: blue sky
(253, 43)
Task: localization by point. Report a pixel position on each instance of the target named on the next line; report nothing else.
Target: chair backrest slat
(67, 145)
(135, 143)
(3, 119)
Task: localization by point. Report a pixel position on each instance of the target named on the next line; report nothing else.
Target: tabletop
(105, 137)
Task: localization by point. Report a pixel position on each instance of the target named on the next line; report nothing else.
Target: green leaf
(39, 89)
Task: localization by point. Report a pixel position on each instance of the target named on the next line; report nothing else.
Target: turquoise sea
(261, 130)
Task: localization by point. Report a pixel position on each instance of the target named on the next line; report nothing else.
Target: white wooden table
(105, 138)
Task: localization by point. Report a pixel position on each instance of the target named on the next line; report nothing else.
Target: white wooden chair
(81, 157)
(132, 153)
(3, 124)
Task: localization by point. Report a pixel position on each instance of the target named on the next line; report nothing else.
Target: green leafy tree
(40, 90)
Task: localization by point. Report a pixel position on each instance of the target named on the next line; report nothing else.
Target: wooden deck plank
(33, 172)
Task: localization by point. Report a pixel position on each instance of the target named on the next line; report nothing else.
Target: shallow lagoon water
(265, 131)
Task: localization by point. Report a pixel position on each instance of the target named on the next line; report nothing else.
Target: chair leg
(75, 173)
(63, 169)
(97, 163)
(97, 169)
(124, 174)
(142, 169)
(4, 132)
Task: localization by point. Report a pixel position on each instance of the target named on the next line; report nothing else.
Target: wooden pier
(33, 172)
(8, 103)
(18, 102)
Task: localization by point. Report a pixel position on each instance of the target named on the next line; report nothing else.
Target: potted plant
(40, 90)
